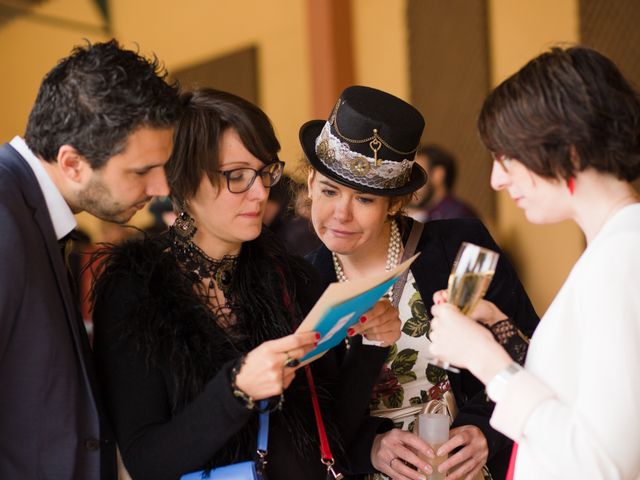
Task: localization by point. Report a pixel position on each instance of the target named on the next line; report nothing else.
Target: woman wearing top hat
(362, 173)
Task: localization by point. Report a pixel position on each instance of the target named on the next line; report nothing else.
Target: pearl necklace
(393, 255)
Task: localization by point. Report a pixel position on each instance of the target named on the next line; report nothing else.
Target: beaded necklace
(201, 266)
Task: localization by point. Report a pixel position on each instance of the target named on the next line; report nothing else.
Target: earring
(571, 185)
(185, 225)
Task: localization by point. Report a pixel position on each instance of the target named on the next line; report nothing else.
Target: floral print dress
(407, 380)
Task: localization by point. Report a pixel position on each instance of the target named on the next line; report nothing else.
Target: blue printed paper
(342, 304)
(334, 324)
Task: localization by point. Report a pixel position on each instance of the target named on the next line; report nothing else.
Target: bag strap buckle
(331, 473)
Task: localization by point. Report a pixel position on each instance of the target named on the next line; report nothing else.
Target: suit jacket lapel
(35, 199)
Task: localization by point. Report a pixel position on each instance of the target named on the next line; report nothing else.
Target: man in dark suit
(97, 140)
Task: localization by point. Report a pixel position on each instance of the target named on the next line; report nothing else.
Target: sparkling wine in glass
(471, 275)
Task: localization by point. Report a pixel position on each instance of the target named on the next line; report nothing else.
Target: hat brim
(310, 131)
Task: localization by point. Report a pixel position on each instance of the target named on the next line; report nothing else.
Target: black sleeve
(354, 373)
(154, 443)
(506, 292)
(359, 371)
(13, 263)
(359, 451)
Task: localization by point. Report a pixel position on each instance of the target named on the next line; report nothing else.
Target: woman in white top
(564, 132)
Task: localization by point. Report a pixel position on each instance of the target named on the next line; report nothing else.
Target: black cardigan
(439, 245)
(161, 439)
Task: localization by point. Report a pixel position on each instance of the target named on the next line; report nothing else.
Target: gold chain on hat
(375, 141)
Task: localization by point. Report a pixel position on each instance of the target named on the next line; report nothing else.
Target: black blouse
(151, 342)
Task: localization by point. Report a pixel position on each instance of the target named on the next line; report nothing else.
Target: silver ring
(391, 461)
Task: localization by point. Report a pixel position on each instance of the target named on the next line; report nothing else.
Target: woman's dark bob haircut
(207, 114)
(565, 111)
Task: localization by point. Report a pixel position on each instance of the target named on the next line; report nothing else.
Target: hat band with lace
(378, 173)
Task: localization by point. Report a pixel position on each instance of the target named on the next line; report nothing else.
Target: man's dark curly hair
(97, 96)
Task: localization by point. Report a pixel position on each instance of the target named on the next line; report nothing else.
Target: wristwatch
(497, 385)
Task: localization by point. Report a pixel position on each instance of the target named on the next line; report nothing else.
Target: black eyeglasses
(240, 179)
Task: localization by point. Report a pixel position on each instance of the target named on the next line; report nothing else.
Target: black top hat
(368, 143)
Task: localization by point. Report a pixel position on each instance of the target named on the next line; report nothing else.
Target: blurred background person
(436, 200)
(163, 215)
(564, 132)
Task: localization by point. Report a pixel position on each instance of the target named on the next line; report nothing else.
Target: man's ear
(73, 166)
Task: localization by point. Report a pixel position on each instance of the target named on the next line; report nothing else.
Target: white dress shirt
(59, 211)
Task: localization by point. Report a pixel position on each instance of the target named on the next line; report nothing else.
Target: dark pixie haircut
(97, 96)
(439, 157)
(564, 98)
(206, 115)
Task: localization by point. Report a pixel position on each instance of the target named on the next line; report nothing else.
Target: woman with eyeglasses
(194, 327)
(565, 135)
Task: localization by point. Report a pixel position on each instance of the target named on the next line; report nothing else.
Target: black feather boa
(174, 330)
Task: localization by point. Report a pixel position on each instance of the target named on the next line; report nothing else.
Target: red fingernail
(350, 332)
(439, 301)
(315, 344)
(317, 336)
(363, 319)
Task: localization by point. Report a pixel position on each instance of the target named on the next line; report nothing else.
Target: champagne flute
(471, 274)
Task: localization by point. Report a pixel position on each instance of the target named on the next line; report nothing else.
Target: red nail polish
(317, 336)
(350, 332)
(363, 319)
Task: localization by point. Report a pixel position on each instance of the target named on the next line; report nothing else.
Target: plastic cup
(433, 428)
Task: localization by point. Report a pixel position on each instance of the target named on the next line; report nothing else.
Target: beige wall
(187, 32)
(380, 45)
(520, 30)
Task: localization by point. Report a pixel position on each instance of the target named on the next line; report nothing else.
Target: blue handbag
(244, 470)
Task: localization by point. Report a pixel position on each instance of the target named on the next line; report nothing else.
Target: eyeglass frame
(227, 173)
